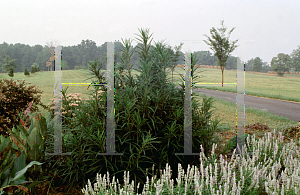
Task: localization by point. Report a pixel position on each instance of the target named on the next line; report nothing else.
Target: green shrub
(149, 118)
(33, 70)
(14, 98)
(11, 72)
(26, 72)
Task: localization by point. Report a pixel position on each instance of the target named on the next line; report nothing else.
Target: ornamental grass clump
(273, 169)
(149, 121)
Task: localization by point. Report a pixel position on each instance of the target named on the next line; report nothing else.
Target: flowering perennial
(239, 176)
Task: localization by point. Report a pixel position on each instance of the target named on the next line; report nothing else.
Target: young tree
(8, 64)
(35, 66)
(26, 72)
(33, 69)
(281, 63)
(220, 45)
(11, 72)
(257, 65)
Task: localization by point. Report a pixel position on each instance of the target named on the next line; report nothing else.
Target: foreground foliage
(272, 169)
(24, 145)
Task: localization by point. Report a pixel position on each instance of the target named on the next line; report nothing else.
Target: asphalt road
(284, 108)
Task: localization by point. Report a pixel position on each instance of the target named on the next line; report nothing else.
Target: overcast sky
(273, 25)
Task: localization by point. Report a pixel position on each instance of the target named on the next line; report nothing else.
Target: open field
(284, 88)
(257, 84)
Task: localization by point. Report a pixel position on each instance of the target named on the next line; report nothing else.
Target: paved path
(284, 108)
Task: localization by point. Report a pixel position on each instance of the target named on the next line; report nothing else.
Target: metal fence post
(110, 125)
(58, 102)
(110, 118)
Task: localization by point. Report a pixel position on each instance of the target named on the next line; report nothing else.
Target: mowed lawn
(285, 88)
(271, 86)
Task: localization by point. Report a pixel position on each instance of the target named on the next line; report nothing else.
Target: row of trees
(280, 64)
(25, 56)
(284, 63)
(75, 57)
(21, 56)
(256, 64)
(10, 65)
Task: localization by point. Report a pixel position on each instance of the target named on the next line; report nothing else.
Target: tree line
(280, 64)
(78, 56)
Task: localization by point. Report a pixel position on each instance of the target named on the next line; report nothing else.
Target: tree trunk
(222, 68)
